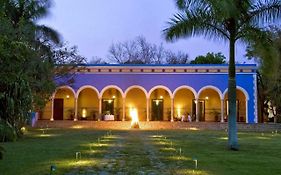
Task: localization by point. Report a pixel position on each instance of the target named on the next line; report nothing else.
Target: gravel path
(129, 152)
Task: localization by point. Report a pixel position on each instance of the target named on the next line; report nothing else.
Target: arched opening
(183, 100)
(87, 104)
(241, 106)
(64, 104)
(160, 104)
(136, 99)
(209, 105)
(111, 104)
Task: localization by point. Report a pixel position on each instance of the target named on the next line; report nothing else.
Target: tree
(139, 51)
(210, 58)
(268, 53)
(229, 20)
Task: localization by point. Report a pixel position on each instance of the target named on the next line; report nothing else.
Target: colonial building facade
(156, 92)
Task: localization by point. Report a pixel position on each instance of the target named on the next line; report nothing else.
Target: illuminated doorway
(157, 109)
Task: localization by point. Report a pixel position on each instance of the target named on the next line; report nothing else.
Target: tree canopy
(210, 58)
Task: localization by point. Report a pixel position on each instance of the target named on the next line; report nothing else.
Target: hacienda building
(156, 92)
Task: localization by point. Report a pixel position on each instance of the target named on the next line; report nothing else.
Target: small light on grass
(195, 162)
(52, 169)
(23, 129)
(78, 156)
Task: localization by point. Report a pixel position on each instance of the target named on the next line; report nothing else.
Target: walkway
(132, 152)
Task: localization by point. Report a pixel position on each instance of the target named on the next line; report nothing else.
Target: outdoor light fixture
(207, 98)
(67, 96)
(157, 102)
(109, 101)
(113, 96)
(195, 162)
(161, 97)
(84, 113)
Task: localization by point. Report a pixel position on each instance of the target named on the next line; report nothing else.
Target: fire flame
(135, 118)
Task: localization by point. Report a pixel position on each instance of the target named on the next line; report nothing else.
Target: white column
(75, 109)
(52, 114)
(222, 110)
(247, 111)
(172, 109)
(197, 110)
(124, 109)
(147, 109)
(100, 109)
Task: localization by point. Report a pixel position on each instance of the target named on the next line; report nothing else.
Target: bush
(1, 152)
(7, 132)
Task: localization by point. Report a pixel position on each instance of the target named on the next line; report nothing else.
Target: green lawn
(140, 152)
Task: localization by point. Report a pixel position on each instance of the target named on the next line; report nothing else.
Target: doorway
(108, 106)
(58, 109)
(201, 109)
(157, 109)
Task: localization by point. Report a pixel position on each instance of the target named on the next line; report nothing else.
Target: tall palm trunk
(232, 128)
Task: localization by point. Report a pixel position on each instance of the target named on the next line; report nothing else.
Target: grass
(140, 152)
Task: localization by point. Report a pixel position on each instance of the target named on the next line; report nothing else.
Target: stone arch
(137, 87)
(87, 103)
(160, 87)
(210, 87)
(85, 87)
(239, 88)
(136, 98)
(113, 87)
(185, 87)
(64, 87)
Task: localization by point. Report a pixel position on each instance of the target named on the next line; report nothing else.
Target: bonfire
(135, 119)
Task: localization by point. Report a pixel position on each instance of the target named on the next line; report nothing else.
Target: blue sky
(93, 25)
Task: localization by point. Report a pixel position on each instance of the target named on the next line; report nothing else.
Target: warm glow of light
(193, 129)
(157, 102)
(179, 112)
(67, 96)
(223, 138)
(84, 113)
(23, 129)
(113, 97)
(161, 97)
(109, 101)
(207, 98)
(77, 127)
(134, 116)
(195, 101)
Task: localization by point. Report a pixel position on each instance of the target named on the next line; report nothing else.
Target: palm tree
(23, 16)
(229, 20)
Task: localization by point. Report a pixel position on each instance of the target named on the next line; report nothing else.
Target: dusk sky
(93, 25)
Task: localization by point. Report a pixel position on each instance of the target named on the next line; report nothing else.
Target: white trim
(136, 87)
(85, 87)
(210, 87)
(238, 88)
(255, 98)
(111, 86)
(185, 87)
(160, 87)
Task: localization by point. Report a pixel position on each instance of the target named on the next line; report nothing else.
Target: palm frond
(265, 11)
(194, 24)
(48, 33)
